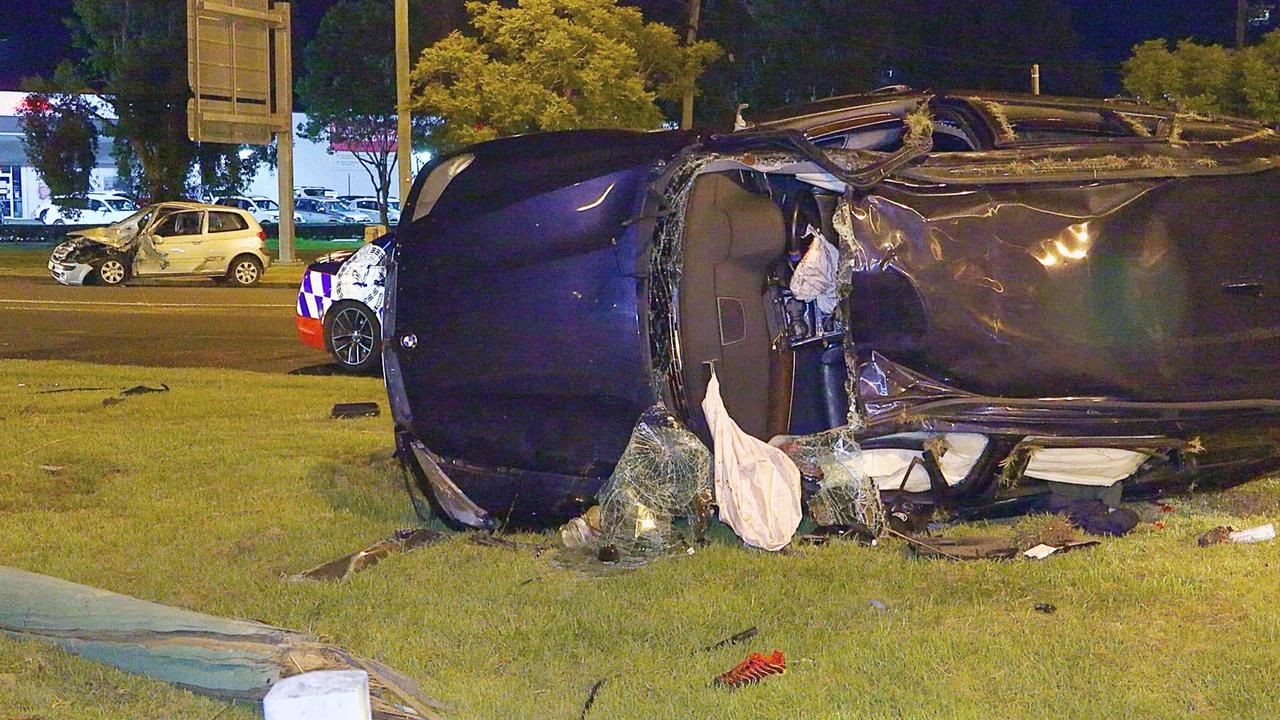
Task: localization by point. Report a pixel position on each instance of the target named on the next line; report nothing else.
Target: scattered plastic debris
(741, 637)
(1046, 608)
(752, 670)
(1224, 534)
(1042, 551)
(877, 604)
(1262, 533)
(354, 410)
(52, 469)
(582, 531)
(352, 563)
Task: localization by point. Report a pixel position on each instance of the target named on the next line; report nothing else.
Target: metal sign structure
(239, 66)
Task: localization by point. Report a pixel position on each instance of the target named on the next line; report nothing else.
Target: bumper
(69, 273)
(310, 331)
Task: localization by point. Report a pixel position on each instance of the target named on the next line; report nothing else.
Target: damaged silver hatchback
(170, 239)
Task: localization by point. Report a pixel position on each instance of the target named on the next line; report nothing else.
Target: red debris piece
(752, 670)
(1159, 524)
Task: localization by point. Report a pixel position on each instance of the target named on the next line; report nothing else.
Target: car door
(177, 245)
(224, 239)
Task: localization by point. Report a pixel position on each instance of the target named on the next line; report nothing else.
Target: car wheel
(59, 221)
(245, 271)
(353, 336)
(112, 271)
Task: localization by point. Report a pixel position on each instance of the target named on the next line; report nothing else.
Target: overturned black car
(1000, 294)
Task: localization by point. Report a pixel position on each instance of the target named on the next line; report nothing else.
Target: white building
(22, 191)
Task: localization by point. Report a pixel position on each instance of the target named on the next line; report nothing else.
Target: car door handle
(1250, 288)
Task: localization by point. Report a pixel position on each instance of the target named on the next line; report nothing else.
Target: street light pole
(404, 126)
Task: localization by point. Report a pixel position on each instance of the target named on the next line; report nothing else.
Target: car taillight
(262, 235)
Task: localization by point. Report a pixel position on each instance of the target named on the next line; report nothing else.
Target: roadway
(175, 324)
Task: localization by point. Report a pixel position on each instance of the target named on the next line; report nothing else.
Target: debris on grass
(752, 670)
(344, 567)
(982, 547)
(343, 411)
(487, 540)
(1046, 608)
(591, 698)
(1224, 534)
(143, 389)
(741, 637)
(213, 656)
(877, 604)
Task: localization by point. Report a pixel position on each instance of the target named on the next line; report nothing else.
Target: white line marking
(142, 304)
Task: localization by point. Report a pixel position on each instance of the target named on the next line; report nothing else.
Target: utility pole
(691, 37)
(404, 126)
(1035, 79)
(284, 138)
(1242, 10)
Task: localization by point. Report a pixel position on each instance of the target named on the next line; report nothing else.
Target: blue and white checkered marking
(316, 294)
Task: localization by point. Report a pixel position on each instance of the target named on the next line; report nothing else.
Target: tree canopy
(133, 57)
(552, 65)
(1209, 78)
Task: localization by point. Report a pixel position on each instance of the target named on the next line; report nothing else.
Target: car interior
(780, 360)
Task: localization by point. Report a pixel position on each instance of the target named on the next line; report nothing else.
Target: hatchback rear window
(226, 222)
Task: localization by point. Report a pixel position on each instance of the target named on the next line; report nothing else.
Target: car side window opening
(226, 222)
(179, 223)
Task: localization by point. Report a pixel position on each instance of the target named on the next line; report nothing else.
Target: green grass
(202, 497)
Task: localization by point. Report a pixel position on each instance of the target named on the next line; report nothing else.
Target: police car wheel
(111, 271)
(353, 336)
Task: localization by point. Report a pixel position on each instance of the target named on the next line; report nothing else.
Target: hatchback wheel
(111, 271)
(353, 335)
(245, 270)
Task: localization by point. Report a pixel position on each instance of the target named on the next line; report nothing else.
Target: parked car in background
(94, 208)
(168, 239)
(340, 305)
(1005, 298)
(370, 206)
(324, 210)
(264, 210)
(314, 191)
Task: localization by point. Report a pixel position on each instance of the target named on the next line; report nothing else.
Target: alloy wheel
(112, 272)
(246, 273)
(352, 336)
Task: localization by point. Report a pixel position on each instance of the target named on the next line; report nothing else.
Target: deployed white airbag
(815, 274)
(1100, 467)
(888, 466)
(757, 485)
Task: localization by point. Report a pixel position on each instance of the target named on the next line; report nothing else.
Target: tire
(244, 271)
(353, 336)
(59, 221)
(111, 271)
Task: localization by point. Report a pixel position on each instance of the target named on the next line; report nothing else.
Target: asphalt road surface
(172, 325)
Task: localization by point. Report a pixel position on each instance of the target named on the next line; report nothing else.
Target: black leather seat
(731, 238)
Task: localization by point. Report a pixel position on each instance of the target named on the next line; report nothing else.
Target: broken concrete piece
(320, 695)
(343, 567)
(220, 657)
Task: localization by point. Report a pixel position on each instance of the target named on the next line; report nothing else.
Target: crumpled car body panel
(1117, 297)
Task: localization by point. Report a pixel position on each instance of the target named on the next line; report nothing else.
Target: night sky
(33, 39)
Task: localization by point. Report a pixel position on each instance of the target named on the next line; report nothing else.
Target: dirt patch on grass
(52, 487)
(370, 486)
